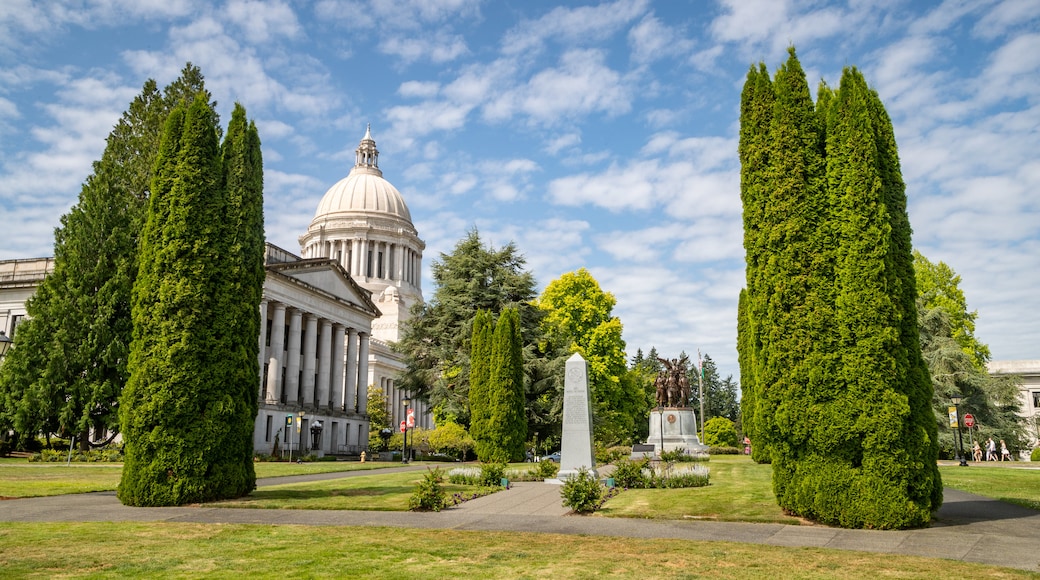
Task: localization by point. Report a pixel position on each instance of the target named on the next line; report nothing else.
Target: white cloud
(1006, 16)
(418, 89)
(573, 25)
(651, 40)
(261, 21)
(437, 48)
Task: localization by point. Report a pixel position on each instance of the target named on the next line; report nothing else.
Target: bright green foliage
(720, 432)
(435, 342)
(480, 382)
(429, 495)
(578, 319)
(939, 286)
(756, 113)
(504, 436)
(69, 367)
(582, 492)
(451, 439)
(828, 327)
(187, 411)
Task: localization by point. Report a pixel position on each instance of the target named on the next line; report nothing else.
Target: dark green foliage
(187, 411)
(720, 395)
(756, 113)
(507, 422)
(480, 381)
(71, 362)
(828, 326)
(429, 495)
(582, 492)
(492, 472)
(436, 340)
(628, 473)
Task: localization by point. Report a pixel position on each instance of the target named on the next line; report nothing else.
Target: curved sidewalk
(967, 527)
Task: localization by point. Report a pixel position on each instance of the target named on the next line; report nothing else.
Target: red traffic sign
(969, 420)
(403, 426)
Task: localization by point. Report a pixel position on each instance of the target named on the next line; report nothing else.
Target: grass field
(1018, 486)
(176, 550)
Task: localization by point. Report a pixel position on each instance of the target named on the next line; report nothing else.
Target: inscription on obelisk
(576, 451)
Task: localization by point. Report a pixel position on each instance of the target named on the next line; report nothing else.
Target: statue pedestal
(674, 428)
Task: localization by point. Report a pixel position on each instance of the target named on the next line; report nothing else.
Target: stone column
(355, 257)
(262, 356)
(277, 353)
(310, 342)
(338, 387)
(324, 362)
(350, 401)
(292, 364)
(363, 373)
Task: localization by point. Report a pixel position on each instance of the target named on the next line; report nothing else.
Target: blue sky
(597, 135)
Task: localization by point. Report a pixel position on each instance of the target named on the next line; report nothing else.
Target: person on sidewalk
(991, 450)
(976, 452)
(1005, 454)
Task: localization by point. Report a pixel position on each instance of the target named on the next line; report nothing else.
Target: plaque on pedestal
(673, 428)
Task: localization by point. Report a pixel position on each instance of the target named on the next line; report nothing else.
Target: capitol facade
(328, 316)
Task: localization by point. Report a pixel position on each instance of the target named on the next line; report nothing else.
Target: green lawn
(177, 550)
(1013, 485)
(19, 478)
(739, 490)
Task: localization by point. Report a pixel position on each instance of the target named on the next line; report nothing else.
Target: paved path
(967, 527)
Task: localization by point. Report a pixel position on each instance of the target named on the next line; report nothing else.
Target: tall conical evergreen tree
(507, 420)
(756, 112)
(182, 423)
(77, 337)
(840, 391)
(479, 382)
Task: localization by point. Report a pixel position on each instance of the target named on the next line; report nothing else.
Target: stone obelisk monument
(576, 451)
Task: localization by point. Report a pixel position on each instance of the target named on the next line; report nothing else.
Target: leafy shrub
(582, 492)
(91, 456)
(628, 473)
(547, 469)
(429, 495)
(1035, 455)
(491, 474)
(720, 432)
(713, 450)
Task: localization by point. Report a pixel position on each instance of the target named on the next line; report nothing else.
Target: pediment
(326, 276)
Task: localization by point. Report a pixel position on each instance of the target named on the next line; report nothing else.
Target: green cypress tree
(756, 111)
(507, 420)
(479, 381)
(177, 414)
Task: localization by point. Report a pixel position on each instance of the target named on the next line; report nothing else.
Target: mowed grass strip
(739, 490)
(379, 492)
(19, 478)
(177, 550)
(1011, 484)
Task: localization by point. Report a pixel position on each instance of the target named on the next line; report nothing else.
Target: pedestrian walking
(1005, 454)
(976, 452)
(991, 450)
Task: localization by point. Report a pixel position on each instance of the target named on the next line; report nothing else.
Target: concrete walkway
(967, 527)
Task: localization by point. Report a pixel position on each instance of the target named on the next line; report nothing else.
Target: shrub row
(681, 456)
(644, 474)
(91, 456)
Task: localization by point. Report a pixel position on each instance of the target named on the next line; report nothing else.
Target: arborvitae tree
(69, 368)
(182, 422)
(480, 382)
(506, 431)
(756, 112)
(435, 340)
(828, 325)
(745, 356)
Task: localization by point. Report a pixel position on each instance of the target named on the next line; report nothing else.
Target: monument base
(673, 428)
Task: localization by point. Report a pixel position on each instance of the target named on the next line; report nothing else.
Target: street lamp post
(299, 435)
(956, 398)
(5, 344)
(404, 444)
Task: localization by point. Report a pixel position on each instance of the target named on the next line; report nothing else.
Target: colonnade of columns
(312, 362)
(365, 258)
(394, 400)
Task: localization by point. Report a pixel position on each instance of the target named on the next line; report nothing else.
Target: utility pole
(700, 389)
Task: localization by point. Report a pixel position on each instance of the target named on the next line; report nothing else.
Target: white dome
(363, 191)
